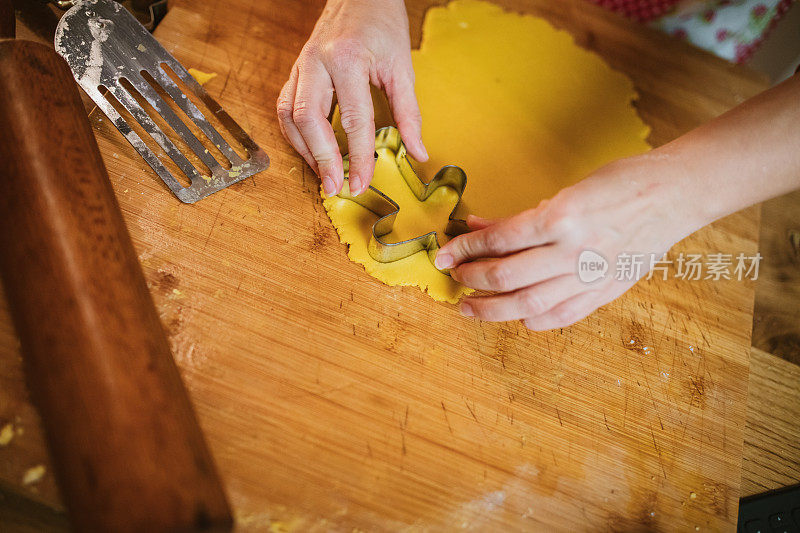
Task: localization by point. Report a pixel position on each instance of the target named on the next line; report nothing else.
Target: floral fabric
(639, 10)
(731, 29)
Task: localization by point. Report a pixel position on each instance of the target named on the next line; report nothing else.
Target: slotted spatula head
(109, 50)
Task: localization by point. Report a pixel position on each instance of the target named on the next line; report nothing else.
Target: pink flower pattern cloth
(731, 29)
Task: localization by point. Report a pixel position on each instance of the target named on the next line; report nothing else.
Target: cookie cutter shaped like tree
(386, 209)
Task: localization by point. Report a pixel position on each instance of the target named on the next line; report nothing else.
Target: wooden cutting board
(331, 401)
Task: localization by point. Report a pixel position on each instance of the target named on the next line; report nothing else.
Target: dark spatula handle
(127, 450)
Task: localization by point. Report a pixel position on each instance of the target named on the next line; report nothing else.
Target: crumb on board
(6, 434)
(202, 77)
(33, 475)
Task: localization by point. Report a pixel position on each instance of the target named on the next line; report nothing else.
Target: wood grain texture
(772, 433)
(96, 358)
(331, 401)
(776, 328)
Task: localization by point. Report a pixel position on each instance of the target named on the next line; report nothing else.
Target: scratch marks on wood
(717, 496)
(318, 394)
(319, 237)
(403, 426)
(466, 402)
(223, 196)
(634, 342)
(697, 391)
(444, 410)
(502, 346)
(650, 394)
(658, 451)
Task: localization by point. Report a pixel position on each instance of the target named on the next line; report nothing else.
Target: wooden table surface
(332, 401)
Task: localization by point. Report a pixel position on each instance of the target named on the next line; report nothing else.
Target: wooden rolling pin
(7, 21)
(126, 447)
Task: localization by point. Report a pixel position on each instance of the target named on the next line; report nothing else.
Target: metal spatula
(108, 49)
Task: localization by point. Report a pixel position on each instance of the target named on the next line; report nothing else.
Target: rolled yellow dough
(516, 104)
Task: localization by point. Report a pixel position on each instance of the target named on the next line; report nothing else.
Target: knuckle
(311, 49)
(302, 114)
(467, 247)
(559, 224)
(532, 304)
(360, 160)
(559, 216)
(399, 78)
(305, 153)
(498, 277)
(346, 54)
(482, 311)
(354, 120)
(566, 316)
(285, 109)
(457, 247)
(325, 158)
(493, 240)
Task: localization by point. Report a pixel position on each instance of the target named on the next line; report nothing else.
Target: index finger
(496, 240)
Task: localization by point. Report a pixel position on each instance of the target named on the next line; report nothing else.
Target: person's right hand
(354, 43)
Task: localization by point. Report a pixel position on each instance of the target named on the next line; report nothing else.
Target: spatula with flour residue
(154, 101)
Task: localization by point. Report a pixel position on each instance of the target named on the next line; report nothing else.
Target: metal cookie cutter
(386, 209)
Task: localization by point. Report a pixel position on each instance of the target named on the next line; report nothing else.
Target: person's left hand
(531, 259)
(355, 43)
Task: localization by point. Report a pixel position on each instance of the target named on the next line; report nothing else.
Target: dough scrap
(202, 77)
(516, 104)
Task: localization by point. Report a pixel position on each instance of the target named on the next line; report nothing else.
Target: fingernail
(355, 185)
(328, 185)
(424, 150)
(443, 261)
(466, 309)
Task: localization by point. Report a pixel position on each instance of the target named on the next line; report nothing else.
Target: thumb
(497, 239)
